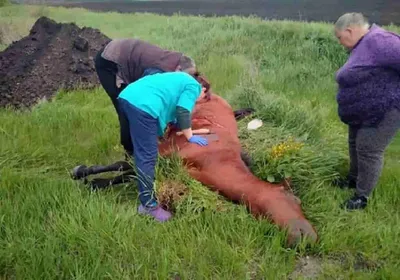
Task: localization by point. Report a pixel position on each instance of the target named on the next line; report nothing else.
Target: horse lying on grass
(221, 166)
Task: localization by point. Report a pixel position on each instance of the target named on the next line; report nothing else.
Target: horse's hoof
(242, 113)
(79, 172)
(299, 230)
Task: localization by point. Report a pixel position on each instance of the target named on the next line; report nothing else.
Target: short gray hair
(186, 62)
(351, 19)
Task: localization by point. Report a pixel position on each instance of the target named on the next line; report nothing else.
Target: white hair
(351, 19)
(186, 62)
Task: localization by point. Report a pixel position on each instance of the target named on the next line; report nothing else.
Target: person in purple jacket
(368, 100)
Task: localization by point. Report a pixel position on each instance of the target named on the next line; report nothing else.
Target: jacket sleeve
(183, 117)
(189, 95)
(387, 52)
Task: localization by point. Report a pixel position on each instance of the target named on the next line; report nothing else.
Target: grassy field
(53, 228)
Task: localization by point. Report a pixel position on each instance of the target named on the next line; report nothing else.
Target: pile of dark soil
(53, 56)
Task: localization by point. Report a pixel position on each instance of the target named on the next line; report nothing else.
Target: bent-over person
(124, 61)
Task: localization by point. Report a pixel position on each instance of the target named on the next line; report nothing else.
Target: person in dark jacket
(124, 61)
(368, 100)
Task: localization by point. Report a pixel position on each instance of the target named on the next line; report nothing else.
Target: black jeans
(107, 71)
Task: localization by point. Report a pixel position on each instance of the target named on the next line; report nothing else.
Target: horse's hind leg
(82, 171)
(102, 183)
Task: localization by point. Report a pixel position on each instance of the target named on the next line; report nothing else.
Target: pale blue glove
(198, 140)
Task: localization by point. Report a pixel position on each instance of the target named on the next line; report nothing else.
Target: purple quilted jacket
(369, 82)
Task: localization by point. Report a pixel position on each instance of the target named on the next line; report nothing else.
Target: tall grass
(53, 228)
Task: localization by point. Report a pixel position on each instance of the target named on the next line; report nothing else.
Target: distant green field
(29, 2)
(53, 228)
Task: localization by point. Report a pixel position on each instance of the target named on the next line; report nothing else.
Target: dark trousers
(143, 130)
(106, 71)
(366, 148)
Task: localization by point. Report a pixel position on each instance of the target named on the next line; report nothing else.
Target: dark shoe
(356, 203)
(345, 183)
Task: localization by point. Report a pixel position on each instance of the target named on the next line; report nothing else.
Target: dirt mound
(51, 57)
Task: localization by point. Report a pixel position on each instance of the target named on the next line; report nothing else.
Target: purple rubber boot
(158, 213)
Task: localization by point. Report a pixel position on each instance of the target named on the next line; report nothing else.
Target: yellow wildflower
(283, 148)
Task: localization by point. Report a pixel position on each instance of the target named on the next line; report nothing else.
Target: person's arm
(387, 53)
(184, 120)
(185, 105)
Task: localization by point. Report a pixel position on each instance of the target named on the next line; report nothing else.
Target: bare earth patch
(170, 193)
(308, 268)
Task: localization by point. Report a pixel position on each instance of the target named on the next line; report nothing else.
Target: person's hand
(198, 140)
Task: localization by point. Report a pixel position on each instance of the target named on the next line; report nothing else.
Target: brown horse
(221, 166)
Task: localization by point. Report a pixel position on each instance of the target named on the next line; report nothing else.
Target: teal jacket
(159, 95)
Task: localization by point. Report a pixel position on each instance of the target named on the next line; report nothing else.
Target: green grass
(53, 228)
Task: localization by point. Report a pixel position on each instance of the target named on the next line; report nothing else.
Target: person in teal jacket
(149, 105)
